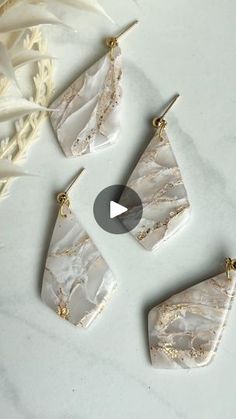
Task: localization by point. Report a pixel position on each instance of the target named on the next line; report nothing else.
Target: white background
(52, 370)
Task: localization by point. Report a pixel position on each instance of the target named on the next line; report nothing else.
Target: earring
(77, 281)
(158, 182)
(185, 330)
(87, 114)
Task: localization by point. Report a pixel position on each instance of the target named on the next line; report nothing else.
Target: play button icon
(116, 209)
(116, 204)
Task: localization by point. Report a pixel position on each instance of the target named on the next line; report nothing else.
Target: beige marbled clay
(185, 330)
(87, 114)
(77, 281)
(158, 182)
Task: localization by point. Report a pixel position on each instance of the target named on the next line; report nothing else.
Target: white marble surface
(50, 370)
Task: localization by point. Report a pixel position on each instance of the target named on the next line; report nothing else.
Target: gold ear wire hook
(112, 42)
(159, 122)
(229, 264)
(63, 198)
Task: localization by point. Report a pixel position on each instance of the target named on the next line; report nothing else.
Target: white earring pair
(185, 330)
(77, 281)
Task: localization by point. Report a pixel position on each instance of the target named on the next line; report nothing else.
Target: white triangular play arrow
(116, 209)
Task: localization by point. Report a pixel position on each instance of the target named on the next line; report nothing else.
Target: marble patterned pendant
(185, 330)
(87, 114)
(77, 282)
(158, 182)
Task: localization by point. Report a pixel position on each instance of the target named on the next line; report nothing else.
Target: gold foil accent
(63, 309)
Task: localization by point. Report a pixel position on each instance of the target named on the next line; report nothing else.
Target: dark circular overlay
(124, 196)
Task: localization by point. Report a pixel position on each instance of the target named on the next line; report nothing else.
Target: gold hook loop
(230, 264)
(63, 198)
(112, 42)
(160, 122)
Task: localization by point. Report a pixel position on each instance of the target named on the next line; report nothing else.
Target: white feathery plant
(21, 43)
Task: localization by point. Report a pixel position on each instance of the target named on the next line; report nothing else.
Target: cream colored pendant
(158, 182)
(77, 282)
(87, 115)
(185, 330)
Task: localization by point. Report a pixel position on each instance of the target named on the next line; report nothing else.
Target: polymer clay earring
(185, 330)
(158, 182)
(77, 281)
(86, 116)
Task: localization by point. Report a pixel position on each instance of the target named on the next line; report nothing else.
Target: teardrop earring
(185, 330)
(77, 281)
(87, 114)
(158, 182)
